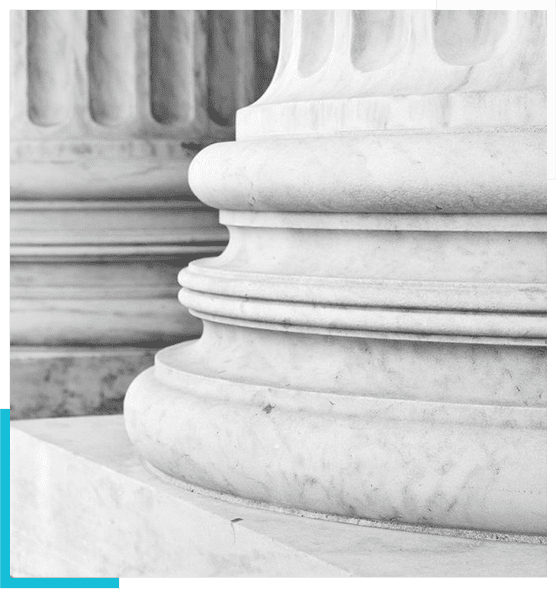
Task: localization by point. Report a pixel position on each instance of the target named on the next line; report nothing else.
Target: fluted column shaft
(108, 108)
(374, 333)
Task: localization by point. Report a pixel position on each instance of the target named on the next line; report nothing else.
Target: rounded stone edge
(414, 173)
(227, 447)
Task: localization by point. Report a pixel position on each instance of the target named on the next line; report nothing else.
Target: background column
(107, 110)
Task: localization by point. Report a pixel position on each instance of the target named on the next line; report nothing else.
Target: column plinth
(374, 333)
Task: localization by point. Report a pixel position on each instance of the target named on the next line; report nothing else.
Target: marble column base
(54, 381)
(82, 504)
(406, 461)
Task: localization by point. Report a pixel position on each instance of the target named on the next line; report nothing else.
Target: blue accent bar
(5, 579)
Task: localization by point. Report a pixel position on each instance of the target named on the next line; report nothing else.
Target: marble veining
(374, 335)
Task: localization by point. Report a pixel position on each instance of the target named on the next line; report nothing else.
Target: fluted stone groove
(108, 108)
(111, 65)
(49, 66)
(231, 80)
(374, 341)
(173, 49)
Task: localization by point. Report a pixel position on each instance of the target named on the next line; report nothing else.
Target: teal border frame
(5, 579)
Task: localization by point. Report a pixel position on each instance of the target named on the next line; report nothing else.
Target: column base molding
(412, 461)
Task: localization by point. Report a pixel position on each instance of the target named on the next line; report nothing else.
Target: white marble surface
(84, 505)
(377, 172)
(441, 464)
(441, 70)
(375, 332)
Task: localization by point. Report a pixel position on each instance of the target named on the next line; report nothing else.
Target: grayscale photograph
(277, 294)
